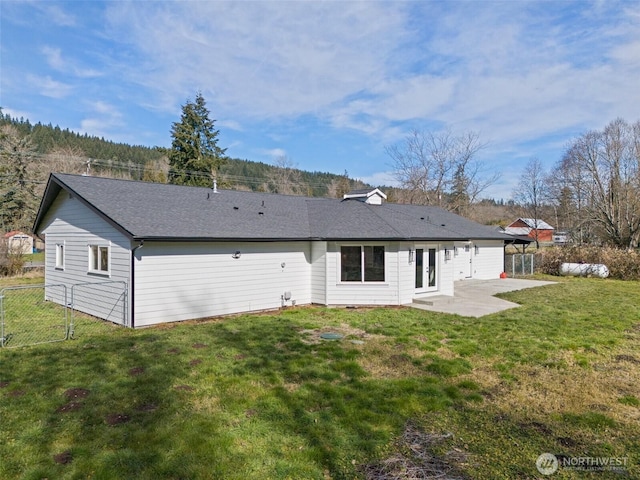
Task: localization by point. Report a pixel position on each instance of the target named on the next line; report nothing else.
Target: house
(18, 243)
(528, 226)
(192, 252)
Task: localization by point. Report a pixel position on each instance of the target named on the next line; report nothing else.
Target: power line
(136, 168)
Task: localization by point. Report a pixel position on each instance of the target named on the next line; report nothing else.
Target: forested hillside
(29, 152)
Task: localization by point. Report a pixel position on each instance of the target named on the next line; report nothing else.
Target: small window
(362, 263)
(98, 259)
(60, 256)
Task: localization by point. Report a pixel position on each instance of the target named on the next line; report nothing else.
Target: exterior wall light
(236, 255)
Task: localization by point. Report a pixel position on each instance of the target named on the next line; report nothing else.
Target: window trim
(362, 280)
(95, 269)
(60, 256)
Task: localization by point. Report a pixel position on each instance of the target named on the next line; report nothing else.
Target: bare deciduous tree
(286, 178)
(602, 170)
(440, 169)
(531, 192)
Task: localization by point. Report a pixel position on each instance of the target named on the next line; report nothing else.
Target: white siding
(461, 260)
(488, 259)
(406, 274)
(179, 281)
(446, 277)
(319, 273)
(352, 293)
(445, 270)
(72, 224)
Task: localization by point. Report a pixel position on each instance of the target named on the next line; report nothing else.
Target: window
(362, 263)
(60, 256)
(98, 259)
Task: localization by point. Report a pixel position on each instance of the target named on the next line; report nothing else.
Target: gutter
(132, 289)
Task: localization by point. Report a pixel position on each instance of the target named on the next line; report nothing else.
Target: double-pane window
(98, 259)
(362, 263)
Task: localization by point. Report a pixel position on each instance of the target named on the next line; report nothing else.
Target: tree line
(593, 191)
(30, 152)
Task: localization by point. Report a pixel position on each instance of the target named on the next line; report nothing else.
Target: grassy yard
(263, 396)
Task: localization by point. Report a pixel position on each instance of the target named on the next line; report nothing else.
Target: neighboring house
(192, 252)
(526, 227)
(18, 242)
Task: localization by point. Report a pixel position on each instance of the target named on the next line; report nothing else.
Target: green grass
(259, 396)
(34, 257)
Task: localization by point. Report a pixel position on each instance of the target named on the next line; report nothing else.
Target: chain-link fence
(519, 264)
(27, 318)
(104, 300)
(34, 314)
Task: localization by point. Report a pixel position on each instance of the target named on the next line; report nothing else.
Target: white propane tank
(584, 270)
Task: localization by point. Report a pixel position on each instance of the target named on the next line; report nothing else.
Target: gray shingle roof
(144, 210)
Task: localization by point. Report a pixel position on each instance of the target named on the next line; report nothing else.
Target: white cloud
(13, 113)
(275, 153)
(56, 14)
(104, 120)
(49, 87)
(380, 178)
(57, 62)
(515, 70)
(273, 59)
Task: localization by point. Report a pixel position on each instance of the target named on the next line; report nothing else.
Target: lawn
(405, 391)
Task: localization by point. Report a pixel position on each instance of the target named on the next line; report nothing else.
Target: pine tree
(18, 199)
(194, 156)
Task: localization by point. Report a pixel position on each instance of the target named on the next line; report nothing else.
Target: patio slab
(475, 298)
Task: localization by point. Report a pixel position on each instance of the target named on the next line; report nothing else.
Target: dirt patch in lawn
(415, 458)
(114, 419)
(70, 407)
(195, 361)
(184, 388)
(63, 458)
(627, 358)
(135, 371)
(74, 393)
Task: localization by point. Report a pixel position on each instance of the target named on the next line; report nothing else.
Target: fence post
(2, 318)
(533, 258)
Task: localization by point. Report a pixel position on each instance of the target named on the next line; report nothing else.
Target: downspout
(133, 283)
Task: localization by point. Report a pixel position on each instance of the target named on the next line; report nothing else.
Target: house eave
(53, 189)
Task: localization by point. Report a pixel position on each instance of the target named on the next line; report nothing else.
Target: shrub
(622, 264)
(10, 263)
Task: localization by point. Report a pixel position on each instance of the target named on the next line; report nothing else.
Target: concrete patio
(475, 298)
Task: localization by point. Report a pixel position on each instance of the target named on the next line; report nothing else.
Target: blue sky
(328, 84)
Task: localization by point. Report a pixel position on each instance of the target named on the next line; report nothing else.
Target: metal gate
(519, 264)
(27, 318)
(34, 314)
(104, 300)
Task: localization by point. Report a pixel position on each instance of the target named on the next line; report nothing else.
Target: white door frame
(426, 272)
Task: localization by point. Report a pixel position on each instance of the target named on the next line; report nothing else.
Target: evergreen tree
(18, 199)
(194, 156)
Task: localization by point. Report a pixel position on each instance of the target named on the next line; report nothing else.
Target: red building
(528, 227)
